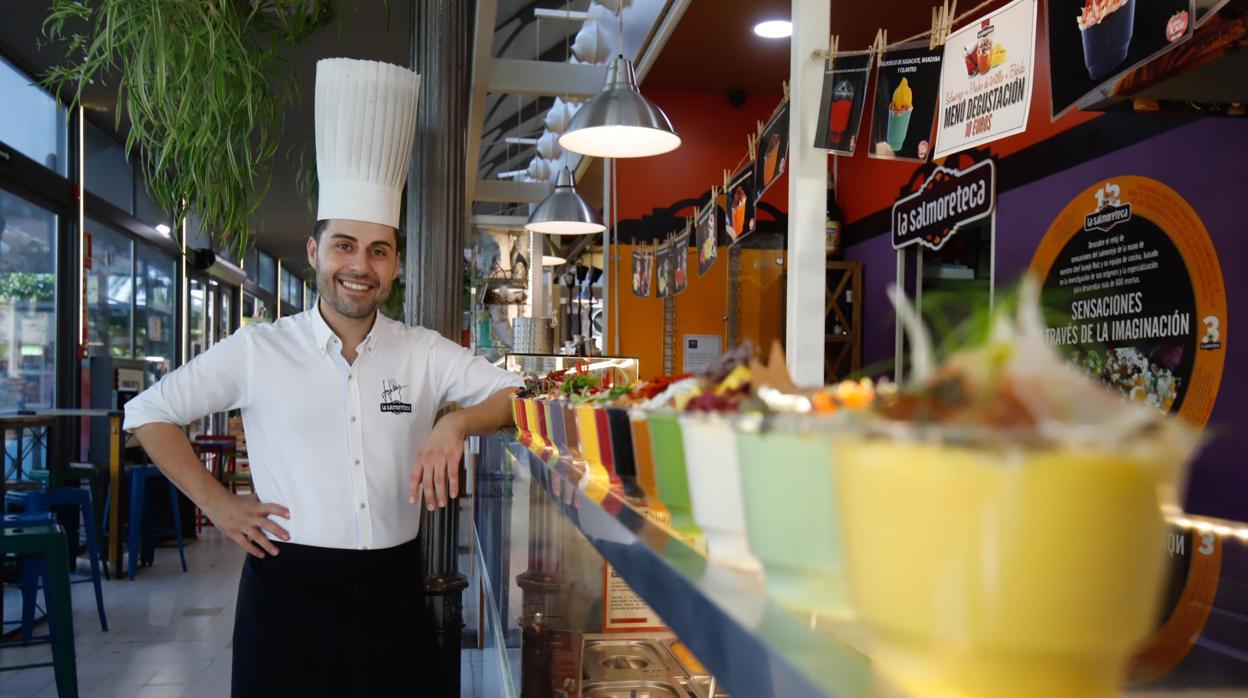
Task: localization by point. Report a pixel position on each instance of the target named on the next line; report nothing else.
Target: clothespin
(881, 41)
(942, 24)
(785, 85)
(752, 142)
(758, 130)
(727, 180)
(834, 42)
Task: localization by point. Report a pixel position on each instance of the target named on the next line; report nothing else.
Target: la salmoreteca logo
(947, 200)
(392, 397)
(1110, 210)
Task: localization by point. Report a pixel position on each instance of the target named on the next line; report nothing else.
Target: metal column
(436, 219)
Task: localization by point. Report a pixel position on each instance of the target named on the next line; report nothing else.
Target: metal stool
(142, 532)
(40, 543)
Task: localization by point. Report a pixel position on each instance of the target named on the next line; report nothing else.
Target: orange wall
(714, 139)
(865, 185)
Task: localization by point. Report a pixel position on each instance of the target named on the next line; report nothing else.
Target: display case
(623, 369)
(559, 561)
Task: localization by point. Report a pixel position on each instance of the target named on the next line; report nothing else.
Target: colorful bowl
(985, 571)
(644, 458)
(518, 416)
(715, 487)
(667, 448)
(792, 515)
(622, 451)
(531, 409)
(597, 481)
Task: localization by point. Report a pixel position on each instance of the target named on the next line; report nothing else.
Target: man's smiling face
(356, 264)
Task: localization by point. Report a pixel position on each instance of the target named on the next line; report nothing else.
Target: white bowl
(715, 487)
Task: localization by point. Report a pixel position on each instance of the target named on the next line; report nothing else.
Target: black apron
(327, 622)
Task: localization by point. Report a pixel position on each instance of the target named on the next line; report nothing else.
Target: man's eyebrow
(383, 243)
(343, 236)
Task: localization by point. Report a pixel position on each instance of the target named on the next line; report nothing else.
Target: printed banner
(643, 270)
(664, 269)
(907, 93)
(741, 204)
(985, 81)
(1093, 42)
(1139, 286)
(946, 201)
(680, 262)
(707, 234)
(773, 150)
(843, 102)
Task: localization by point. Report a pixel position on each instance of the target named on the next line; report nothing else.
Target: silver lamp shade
(564, 212)
(619, 122)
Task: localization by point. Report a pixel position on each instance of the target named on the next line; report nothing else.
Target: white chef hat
(365, 121)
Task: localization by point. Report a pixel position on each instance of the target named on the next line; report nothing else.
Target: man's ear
(312, 251)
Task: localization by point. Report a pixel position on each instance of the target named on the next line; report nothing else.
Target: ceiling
(714, 49)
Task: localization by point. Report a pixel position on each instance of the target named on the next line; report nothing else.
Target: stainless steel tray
(632, 689)
(696, 672)
(700, 687)
(626, 660)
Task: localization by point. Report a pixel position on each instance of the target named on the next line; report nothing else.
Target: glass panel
(107, 169)
(957, 279)
(292, 289)
(225, 318)
(146, 208)
(309, 296)
(31, 121)
(196, 322)
(109, 288)
(155, 318)
(27, 304)
(266, 270)
(255, 310)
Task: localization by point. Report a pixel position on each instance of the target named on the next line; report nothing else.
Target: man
(338, 404)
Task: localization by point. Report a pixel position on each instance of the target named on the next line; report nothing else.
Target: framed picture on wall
(740, 204)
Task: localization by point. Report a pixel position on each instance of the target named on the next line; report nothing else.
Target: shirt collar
(326, 340)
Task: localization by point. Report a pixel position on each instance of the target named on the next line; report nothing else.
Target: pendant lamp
(564, 212)
(619, 122)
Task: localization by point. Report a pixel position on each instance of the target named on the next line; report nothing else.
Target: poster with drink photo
(664, 269)
(680, 262)
(707, 234)
(843, 102)
(907, 92)
(773, 150)
(643, 271)
(741, 204)
(986, 79)
(1093, 42)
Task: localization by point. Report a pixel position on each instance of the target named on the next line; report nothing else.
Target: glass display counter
(563, 570)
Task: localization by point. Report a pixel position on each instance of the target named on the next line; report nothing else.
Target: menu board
(907, 92)
(706, 234)
(1093, 42)
(643, 271)
(985, 82)
(773, 150)
(843, 101)
(741, 204)
(1136, 292)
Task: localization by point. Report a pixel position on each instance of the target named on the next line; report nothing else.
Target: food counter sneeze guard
(624, 369)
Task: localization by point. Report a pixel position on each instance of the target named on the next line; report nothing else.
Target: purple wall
(1207, 163)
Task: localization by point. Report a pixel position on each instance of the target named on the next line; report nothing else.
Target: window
(146, 209)
(197, 321)
(27, 304)
(32, 122)
(155, 318)
(110, 284)
(254, 310)
(266, 272)
(107, 169)
(292, 289)
(309, 295)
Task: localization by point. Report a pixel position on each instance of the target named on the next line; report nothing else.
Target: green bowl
(792, 514)
(667, 445)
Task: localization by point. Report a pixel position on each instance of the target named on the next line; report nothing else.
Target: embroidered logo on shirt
(392, 397)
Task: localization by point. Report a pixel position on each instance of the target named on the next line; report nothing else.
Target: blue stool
(142, 533)
(41, 502)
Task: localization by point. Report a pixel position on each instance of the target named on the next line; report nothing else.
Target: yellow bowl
(985, 573)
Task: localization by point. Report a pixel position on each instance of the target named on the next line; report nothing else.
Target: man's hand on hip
(244, 518)
(437, 464)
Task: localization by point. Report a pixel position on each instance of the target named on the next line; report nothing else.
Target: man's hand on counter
(438, 462)
(244, 518)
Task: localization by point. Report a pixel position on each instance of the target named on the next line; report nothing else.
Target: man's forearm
(170, 450)
(487, 417)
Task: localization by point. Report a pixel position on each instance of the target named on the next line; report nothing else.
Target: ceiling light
(552, 261)
(619, 122)
(774, 29)
(163, 229)
(564, 212)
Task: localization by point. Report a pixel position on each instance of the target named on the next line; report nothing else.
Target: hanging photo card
(663, 269)
(643, 271)
(986, 79)
(907, 92)
(680, 262)
(741, 204)
(843, 102)
(1093, 42)
(773, 150)
(707, 234)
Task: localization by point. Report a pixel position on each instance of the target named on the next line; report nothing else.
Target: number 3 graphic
(1213, 333)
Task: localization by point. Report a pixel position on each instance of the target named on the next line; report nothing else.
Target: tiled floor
(169, 633)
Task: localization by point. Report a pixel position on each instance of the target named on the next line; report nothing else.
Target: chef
(339, 406)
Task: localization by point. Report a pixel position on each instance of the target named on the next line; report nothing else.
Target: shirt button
(363, 547)
(362, 505)
(357, 461)
(350, 376)
(352, 418)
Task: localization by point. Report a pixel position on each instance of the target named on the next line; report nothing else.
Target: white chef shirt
(333, 442)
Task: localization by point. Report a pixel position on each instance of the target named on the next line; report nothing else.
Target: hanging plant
(202, 84)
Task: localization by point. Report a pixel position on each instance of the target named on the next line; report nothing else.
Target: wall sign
(843, 101)
(1093, 42)
(944, 202)
(1136, 281)
(907, 91)
(985, 81)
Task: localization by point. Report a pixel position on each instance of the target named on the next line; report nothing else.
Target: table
(22, 424)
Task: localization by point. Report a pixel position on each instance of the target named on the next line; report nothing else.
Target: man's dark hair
(319, 228)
